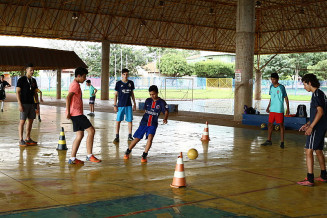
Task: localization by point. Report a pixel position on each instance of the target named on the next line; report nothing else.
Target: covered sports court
(233, 175)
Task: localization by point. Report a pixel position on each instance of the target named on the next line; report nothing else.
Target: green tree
(90, 53)
(214, 69)
(289, 66)
(92, 58)
(319, 70)
(174, 65)
(128, 57)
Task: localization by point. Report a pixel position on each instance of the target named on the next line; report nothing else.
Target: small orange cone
(205, 135)
(179, 175)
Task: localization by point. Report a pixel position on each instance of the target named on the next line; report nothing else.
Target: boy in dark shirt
(149, 123)
(124, 92)
(3, 85)
(315, 129)
(25, 93)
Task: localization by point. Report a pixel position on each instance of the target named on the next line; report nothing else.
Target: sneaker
(116, 140)
(22, 143)
(76, 161)
(30, 142)
(1, 110)
(126, 156)
(305, 182)
(266, 143)
(130, 138)
(320, 179)
(282, 145)
(144, 160)
(93, 159)
(91, 114)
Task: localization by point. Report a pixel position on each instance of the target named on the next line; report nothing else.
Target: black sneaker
(282, 145)
(1, 110)
(130, 138)
(116, 140)
(266, 143)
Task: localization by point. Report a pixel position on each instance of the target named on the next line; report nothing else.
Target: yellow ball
(192, 154)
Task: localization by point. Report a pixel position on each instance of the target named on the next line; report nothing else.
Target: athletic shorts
(2, 95)
(80, 123)
(36, 105)
(316, 140)
(127, 111)
(139, 133)
(276, 117)
(92, 100)
(28, 112)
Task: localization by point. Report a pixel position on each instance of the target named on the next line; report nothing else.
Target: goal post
(179, 89)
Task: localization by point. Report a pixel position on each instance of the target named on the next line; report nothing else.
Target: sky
(48, 43)
(23, 41)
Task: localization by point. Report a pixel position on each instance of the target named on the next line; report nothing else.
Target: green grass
(291, 97)
(211, 93)
(170, 94)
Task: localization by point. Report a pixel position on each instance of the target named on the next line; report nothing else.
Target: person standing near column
(124, 92)
(3, 85)
(275, 109)
(25, 93)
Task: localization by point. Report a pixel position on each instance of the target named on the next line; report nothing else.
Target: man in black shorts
(25, 93)
(315, 129)
(3, 85)
(74, 111)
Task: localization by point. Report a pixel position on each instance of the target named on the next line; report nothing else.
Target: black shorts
(2, 95)
(80, 123)
(92, 100)
(316, 140)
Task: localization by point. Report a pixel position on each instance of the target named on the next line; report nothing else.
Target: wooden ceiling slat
(177, 23)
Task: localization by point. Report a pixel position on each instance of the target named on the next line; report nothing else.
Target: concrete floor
(233, 175)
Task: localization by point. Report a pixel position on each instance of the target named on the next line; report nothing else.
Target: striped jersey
(152, 111)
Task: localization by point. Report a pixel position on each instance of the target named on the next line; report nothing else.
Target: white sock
(89, 155)
(72, 158)
(2, 104)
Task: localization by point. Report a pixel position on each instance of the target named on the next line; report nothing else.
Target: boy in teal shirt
(275, 108)
(93, 92)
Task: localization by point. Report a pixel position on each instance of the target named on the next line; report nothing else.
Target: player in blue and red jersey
(153, 107)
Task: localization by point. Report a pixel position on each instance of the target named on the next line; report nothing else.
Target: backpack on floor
(301, 111)
(249, 110)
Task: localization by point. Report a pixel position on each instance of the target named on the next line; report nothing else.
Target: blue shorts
(128, 111)
(145, 129)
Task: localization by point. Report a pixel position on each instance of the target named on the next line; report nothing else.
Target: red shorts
(278, 117)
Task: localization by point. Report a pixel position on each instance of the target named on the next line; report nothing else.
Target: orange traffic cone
(205, 135)
(179, 175)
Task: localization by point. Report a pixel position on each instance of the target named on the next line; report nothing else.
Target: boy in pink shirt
(74, 111)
